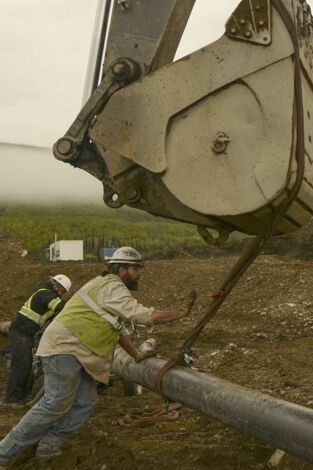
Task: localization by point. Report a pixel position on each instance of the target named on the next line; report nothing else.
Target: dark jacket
(39, 304)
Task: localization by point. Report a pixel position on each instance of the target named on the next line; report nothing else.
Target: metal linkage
(136, 45)
(121, 73)
(189, 356)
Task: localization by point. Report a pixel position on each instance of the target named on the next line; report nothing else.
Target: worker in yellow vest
(38, 310)
(76, 351)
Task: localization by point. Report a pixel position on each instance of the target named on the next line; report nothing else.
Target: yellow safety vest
(40, 320)
(97, 327)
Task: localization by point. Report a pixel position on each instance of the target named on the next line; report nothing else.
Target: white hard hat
(63, 280)
(125, 255)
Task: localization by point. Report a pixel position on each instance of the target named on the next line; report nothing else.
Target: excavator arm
(210, 139)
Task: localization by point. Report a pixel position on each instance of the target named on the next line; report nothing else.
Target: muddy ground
(268, 319)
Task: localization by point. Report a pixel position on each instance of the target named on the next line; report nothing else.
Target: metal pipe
(282, 424)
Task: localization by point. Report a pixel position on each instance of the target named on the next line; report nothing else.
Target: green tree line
(98, 226)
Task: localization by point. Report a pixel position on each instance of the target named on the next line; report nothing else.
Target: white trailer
(66, 250)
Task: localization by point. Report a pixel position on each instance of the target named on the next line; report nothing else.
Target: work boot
(45, 451)
(4, 406)
(47, 454)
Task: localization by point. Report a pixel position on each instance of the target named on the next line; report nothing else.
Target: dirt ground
(269, 320)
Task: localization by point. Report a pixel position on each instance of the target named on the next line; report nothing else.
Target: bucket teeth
(303, 17)
(251, 21)
(304, 22)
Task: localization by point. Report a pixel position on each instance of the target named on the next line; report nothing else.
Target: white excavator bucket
(211, 139)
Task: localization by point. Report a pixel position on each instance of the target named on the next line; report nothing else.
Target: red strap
(219, 293)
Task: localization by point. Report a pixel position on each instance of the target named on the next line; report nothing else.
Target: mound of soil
(261, 338)
(298, 244)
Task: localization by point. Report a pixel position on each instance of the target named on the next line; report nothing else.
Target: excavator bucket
(210, 139)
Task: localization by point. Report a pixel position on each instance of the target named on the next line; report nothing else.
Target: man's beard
(130, 284)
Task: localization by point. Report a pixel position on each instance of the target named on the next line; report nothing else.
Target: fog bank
(32, 174)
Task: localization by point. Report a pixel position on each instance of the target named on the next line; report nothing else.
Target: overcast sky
(44, 54)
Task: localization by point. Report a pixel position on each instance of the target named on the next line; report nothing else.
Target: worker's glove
(141, 355)
(189, 301)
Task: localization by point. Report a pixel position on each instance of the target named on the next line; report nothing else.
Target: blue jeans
(70, 395)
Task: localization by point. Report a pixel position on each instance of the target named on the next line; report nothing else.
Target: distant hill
(298, 243)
